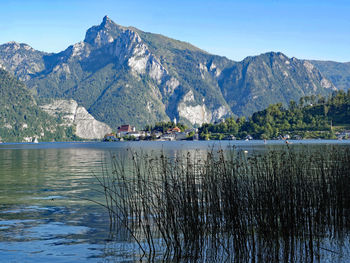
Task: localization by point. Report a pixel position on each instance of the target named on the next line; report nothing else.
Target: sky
(308, 29)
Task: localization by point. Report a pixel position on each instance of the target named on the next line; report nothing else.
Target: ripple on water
(55, 229)
(28, 209)
(50, 197)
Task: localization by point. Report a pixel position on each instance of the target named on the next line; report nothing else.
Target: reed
(278, 206)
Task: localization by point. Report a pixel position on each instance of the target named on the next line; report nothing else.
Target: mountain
(256, 82)
(21, 119)
(338, 73)
(21, 60)
(124, 75)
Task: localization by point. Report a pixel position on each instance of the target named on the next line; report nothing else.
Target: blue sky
(233, 28)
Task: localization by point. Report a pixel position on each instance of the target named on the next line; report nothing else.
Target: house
(126, 128)
(168, 137)
(173, 130)
(343, 135)
(180, 135)
(110, 137)
(157, 134)
(136, 134)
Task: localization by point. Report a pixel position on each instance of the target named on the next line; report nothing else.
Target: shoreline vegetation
(290, 204)
(312, 118)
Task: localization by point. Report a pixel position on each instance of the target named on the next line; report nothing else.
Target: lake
(44, 212)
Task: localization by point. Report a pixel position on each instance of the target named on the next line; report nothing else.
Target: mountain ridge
(125, 75)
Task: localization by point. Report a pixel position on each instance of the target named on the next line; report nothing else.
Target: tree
(292, 105)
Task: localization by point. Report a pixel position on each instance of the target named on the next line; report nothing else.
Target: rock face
(199, 113)
(72, 114)
(338, 73)
(124, 75)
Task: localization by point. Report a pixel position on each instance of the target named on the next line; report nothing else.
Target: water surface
(44, 212)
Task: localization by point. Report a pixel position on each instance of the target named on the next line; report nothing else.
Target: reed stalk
(278, 206)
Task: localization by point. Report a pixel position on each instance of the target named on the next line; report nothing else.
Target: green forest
(311, 117)
(21, 119)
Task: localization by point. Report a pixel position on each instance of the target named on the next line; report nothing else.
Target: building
(157, 134)
(168, 137)
(110, 137)
(126, 128)
(343, 135)
(173, 130)
(136, 134)
(180, 136)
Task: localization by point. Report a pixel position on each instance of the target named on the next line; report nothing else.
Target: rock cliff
(86, 126)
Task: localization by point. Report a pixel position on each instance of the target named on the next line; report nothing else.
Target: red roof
(176, 129)
(125, 128)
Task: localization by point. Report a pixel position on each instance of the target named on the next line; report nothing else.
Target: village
(129, 132)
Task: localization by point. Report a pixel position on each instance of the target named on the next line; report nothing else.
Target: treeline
(311, 117)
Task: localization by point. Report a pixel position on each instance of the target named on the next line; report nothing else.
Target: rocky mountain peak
(14, 46)
(20, 59)
(104, 33)
(12, 43)
(107, 21)
(273, 56)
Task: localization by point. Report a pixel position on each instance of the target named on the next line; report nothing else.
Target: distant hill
(124, 75)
